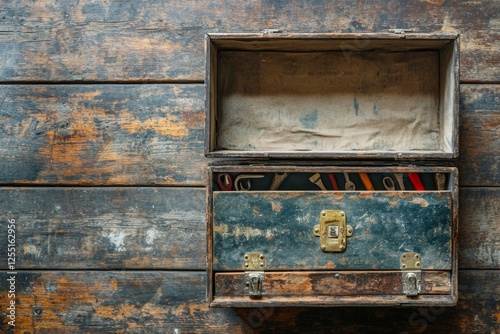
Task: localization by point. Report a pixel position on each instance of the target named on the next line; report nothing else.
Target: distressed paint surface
(56, 233)
(480, 135)
(104, 228)
(479, 231)
(96, 135)
(347, 283)
(280, 224)
(149, 40)
(166, 301)
(102, 134)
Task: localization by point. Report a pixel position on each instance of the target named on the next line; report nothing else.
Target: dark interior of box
(341, 100)
(330, 181)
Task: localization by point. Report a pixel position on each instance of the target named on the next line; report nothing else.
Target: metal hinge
(254, 264)
(401, 32)
(411, 275)
(272, 31)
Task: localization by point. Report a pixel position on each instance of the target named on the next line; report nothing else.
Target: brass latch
(254, 264)
(332, 231)
(411, 265)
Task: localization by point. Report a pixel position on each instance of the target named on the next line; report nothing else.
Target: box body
(372, 223)
(280, 225)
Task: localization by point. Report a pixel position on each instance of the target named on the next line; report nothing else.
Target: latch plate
(332, 231)
(254, 261)
(254, 264)
(254, 281)
(411, 275)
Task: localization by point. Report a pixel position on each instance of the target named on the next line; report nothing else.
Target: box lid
(360, 96)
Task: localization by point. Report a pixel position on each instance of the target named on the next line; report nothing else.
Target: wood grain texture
(480, 135)
(168, 302)
(64, 228)
(153, 135)
(479, 228)
(105, 228)
(150, 40)
(102, 134)
(329, 283)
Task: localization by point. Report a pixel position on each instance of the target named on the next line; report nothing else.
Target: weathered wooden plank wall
(110, 93)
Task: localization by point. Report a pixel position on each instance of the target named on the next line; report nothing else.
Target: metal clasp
(254, 282)
(411, 264)
(332, 231)
(254, 264)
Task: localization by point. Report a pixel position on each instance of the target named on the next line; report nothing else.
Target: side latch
(411, 267)
(254, 264)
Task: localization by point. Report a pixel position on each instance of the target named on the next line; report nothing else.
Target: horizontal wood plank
(151, 40)
(330, 283)
(102, 134)
(153, 135)
(83, 228)
(174, 302)
(164, 228)
(480, 135)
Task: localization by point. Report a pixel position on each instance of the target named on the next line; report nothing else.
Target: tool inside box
(304, 181)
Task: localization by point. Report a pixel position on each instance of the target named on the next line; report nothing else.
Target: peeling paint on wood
(342, 283)
(102, 134)
(385, 226)
(479, 232)
(480, 135)
(163, 301)
(142, 228)
(149, 40)
(82, 135)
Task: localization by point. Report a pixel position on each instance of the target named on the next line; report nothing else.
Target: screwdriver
(366, 181)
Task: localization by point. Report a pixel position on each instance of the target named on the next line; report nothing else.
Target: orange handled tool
(415, 181)
(366, 181)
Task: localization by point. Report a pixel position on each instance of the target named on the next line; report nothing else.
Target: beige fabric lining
(328, 101)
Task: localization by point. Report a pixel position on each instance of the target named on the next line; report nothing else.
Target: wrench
(399, 178)
(440, 179)
(388, 183)
(239, 187)
(349, 185)
(316, 179)
(277, 180)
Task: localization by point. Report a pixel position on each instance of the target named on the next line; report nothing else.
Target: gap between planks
(165, 82)
(102, 82)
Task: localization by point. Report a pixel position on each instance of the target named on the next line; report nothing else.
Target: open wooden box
(381, 112)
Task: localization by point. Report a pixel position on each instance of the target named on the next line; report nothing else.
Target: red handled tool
(225, 182)
(335, 186)
(415, 181)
